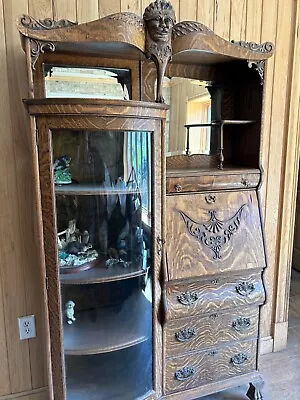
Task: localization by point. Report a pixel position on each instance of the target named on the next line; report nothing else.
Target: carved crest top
(158, 23)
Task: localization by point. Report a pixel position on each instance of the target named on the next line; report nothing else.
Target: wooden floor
(281, 371)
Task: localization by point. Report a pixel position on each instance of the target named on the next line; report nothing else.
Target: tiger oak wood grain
(214, 294)
(216, 328)
(198, 181)
(189, 257)
(210, 365)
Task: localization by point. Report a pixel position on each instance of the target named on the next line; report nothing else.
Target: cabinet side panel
(49, 226)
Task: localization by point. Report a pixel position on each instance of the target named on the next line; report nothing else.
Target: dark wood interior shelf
(89, 189)
(109, 329)
(101, 274)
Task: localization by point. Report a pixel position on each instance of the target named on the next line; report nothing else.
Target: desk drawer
(210, 365)
(213, 295)
(188, 334)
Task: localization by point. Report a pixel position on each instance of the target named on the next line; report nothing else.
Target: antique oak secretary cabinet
(151, 232)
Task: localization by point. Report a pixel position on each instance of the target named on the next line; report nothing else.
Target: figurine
(62, 175)
(69, 311)
(74, 248)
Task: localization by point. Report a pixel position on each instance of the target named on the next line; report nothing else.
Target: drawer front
(188, 334)
(210, 365)
(212, 182)
(212, 233)
(213, 295)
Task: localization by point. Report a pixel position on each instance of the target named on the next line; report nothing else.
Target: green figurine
(62, 174)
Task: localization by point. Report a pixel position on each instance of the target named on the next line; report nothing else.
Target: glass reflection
(103, 206)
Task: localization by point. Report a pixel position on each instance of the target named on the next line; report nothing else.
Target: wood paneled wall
(21, 282)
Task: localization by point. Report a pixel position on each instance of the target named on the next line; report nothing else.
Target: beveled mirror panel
(190, 106)
(82, 82)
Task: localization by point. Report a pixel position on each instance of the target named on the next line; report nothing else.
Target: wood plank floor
(281, 371)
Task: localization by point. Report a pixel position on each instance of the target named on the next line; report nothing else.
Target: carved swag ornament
(214, 233)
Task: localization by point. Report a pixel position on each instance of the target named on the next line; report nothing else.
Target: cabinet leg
(254, 391)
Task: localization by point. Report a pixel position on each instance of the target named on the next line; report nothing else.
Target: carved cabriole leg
(254, 391)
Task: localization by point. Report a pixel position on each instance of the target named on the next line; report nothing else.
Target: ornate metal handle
(178, 187)
(187, 298)
(213, 353)
(245, 288)
(185, 335)
(184, 374)
(241, 324)
(210, 198)
(214, 316)
(239, 359)
(215, 281)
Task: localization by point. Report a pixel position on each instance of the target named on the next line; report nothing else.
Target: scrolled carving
(214, 233)
(241, 324)
(245, 288)
(37, 47)
(159, 19)
(44, 24)
(239, 359)
(185, 335)
(185, 373)
(187, 298)
(186, 27)
(260, 68)
(266, 47)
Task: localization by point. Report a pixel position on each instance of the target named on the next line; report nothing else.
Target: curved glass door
(104, 239)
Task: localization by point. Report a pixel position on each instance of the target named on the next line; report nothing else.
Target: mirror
(190, 104)
(81, 82)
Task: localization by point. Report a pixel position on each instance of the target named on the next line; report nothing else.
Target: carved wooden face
(160, 27)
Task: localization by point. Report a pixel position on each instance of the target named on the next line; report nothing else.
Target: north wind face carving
(214, 233)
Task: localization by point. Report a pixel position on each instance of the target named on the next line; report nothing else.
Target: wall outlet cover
(27, 327)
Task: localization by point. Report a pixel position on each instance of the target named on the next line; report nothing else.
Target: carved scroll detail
(128, 18)
(260, 68)
(266, 47)
(37, 47)
(44, 24)
(241, 324)
(185, 335)
(188, 298)
(214, 233)
(159, 19)
(239, 359)
(186, 27)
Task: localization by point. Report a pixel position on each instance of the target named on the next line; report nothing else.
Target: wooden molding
(280, 335)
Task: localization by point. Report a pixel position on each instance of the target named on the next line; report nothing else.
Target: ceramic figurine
(62, 175)
(69, 311)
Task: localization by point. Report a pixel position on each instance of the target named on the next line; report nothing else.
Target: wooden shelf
(109, 329)
(89, 189)
(101, 274)
(221, 122)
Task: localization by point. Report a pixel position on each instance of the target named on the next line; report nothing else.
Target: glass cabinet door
(104, 240)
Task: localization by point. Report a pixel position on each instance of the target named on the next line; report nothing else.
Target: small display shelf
(100, 274)
(109, 329)
(90, 189)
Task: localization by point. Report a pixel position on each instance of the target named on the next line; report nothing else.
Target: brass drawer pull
(185, 335)
(239, 359)
(187, 298)
(214, 316)
(184, 374)
(213, 353)
(241, 324)
(178, 187)
(245, 288)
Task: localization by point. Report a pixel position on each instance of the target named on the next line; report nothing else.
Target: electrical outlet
(27, 327)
